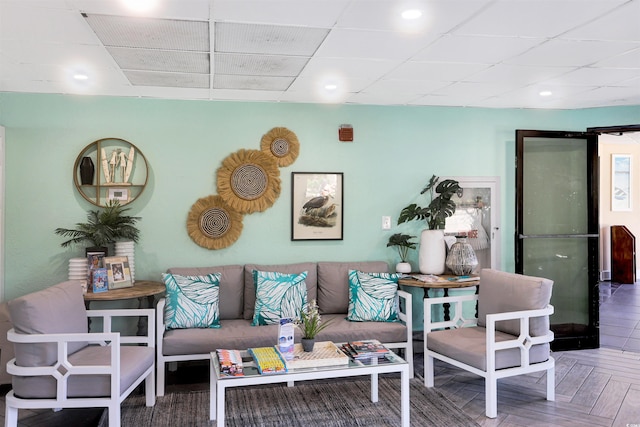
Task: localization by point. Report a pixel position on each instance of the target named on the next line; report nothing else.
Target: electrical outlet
(386, 223)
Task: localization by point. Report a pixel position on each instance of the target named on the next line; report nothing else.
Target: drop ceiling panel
(571, 52)
(310, 13)
(160, 60)
(343, 43)
(595, 77)
(25, 21)
(438, 71)
(414, 87)
(619, 24)
(629, 59)
(150, 33)
(221, 81)
(438, 16)
(517, 74)
(259, 65)
(267, 39)
(481, 49)
(382, 99)
(149, 78)
(540, 18)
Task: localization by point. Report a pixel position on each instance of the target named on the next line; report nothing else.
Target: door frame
(591, 337)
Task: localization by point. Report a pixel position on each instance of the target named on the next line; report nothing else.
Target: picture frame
(317, 205)
(621, 182)
(118, 193)
(118, 272)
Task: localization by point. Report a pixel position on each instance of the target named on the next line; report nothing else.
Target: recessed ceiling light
(331, 86)
(80, 76)
(546, 93)
(412, 14)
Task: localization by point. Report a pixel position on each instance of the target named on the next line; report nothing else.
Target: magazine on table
(230, 363)
(365, 349)
(268, 360)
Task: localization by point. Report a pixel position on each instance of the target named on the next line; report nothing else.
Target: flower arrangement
(310, 322)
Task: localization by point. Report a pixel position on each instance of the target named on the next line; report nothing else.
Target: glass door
(557, 233)
(477, 216)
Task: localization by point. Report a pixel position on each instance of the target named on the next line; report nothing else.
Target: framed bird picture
(317, 205)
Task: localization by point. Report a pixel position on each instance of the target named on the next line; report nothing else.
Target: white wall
(608, 145)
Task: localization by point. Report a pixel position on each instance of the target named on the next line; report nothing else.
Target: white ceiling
(479, 53)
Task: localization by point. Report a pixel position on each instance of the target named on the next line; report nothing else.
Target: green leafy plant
(103, 228)
(440, 207)
(310, 322)
(403, 243)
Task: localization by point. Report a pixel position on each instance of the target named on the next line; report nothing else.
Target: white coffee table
(219, 383)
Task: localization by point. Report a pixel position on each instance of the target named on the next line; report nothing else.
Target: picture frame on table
(621, 182)
(95, 260)
(118, 272)
(99, 280)
(317, 206)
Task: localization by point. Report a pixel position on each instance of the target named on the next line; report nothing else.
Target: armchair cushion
(57, 309)
(134, 360)
(502, 292)
(468, 345)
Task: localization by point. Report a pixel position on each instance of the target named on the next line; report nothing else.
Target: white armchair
(59, 364)
(510, 337)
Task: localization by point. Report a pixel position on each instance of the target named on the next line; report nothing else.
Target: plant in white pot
(403, 243)
(432, 253)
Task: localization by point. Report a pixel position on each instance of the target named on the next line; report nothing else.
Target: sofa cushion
(234, 334)
(134, 360)
(342, 330)
(333, 283)
(278, 296)
(373, 296)
(231, 286)
(501, 292)
(192, 301)
(250, 290)
(57, 309)
(468, 345)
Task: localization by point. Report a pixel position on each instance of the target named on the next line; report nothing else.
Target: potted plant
(432, 252)
(103, 228)
(403, 243)
(310, 324)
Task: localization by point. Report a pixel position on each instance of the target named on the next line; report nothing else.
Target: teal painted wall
(396, 150)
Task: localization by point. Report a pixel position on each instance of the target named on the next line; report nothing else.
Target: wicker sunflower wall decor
(213, 224)
(249, 181)
(282, 144)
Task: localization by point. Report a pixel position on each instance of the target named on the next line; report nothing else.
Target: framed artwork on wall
(317, 206)
(621, 182)
(118, 193)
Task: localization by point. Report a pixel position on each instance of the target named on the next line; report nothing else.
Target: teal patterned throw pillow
(192, 301)
(278, 295)
(372, 297)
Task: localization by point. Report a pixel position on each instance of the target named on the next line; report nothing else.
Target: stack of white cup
(127, 249)
(78, 269)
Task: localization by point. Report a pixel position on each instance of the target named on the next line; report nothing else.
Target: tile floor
(620, 316)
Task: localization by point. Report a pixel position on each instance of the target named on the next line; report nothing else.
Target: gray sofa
(327, 282)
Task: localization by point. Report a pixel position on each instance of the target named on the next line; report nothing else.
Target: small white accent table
(219, 383)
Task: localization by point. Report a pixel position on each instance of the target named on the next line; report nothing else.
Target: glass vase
(462, 258)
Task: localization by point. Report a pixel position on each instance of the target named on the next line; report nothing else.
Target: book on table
(230, 363)
(268, 360)
(365, 349)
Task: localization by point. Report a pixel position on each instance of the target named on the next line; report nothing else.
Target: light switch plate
(386, 223)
